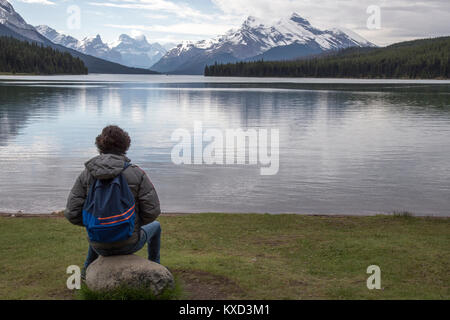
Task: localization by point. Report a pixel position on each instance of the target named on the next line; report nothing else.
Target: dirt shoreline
(60, 214)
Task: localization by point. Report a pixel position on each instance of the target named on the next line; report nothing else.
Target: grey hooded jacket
(107, 166)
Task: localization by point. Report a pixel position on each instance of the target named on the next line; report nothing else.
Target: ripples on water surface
(346, 147)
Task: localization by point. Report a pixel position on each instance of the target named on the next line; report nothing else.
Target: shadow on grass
(129, 293)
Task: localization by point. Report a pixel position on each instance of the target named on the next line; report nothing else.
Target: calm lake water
(346, 146)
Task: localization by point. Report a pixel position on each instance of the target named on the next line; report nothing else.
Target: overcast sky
(173, 20)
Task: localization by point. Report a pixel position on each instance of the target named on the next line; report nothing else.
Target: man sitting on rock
(94, 198)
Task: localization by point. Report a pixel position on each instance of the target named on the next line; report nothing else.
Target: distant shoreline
(417, 59)
(225, 76)
(328, 77)
(183, 79)
(40, 74)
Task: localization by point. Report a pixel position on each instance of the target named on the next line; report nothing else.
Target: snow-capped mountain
(13, 25)
(94, 46)
(133, 52)
(10, 19)
(137, 51)
(288, 38)
(58, 38)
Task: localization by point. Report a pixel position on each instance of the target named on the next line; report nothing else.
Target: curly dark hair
(113, 140)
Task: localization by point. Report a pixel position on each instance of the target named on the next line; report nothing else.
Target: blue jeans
(150, 233)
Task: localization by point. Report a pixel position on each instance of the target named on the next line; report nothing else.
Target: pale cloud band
(209, 29)
(189, 20)
(45, 2)
(401, 19)
(183, 11)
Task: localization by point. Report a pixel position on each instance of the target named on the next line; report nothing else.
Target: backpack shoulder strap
(126, 165)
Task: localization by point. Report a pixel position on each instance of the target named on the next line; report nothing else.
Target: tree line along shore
(418, 59)
(21, 57)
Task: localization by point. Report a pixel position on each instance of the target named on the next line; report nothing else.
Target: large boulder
(107, 273)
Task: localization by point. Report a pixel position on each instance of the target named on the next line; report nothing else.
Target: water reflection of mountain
(20, 103)
(16, 107)
(244, 105)
(216, 106)
(343, 150)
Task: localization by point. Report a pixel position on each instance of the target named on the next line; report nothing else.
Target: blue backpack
(109, 210)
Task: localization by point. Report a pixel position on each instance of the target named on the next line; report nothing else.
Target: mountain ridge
(13, 25)
(287, 38)
(131, 51)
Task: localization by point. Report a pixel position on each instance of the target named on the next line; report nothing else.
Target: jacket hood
(106, 166)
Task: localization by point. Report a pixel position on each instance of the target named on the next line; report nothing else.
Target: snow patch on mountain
(130, 51)
(137, 51)
(14, 21)
(259, 37)
(58, 38)
(10, 17)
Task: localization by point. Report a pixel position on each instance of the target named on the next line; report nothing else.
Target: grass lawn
(247, 256)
